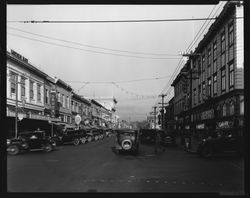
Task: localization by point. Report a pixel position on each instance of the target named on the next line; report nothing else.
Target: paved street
(93, 167)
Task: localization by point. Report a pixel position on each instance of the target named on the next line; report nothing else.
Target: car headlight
(8, 141)
(133, 138)
(204, 140)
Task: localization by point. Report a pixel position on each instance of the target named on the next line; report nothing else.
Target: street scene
(125, 98)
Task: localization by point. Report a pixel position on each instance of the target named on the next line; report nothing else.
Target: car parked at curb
(30, 141)
(70, 136)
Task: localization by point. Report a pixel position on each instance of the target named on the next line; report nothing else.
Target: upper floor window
(209, 56)
(223, 79)
(223, 42)
(231, 75)
(230, 34)
(46, 96)
(13, 82)
(215, 84)
(209, 87)
(31, 90)
(22, 86)
(39, 93)
(63, 100)
(194, 96)
(215, 50)
(203, 90)
(241, 105)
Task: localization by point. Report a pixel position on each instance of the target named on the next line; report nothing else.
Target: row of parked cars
(41, 140)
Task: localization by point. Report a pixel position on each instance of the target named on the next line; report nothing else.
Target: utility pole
(155, 116)
(190, 55)
(162, 105)
(16, 84)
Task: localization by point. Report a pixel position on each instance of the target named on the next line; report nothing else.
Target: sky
(132, 62)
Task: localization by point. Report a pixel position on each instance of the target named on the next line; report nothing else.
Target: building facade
(215, 77)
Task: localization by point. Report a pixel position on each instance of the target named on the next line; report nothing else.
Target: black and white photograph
(125, 98)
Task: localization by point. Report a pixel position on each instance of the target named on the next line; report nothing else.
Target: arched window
(224, 110)
(231, 108)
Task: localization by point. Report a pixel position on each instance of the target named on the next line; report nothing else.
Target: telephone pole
(190, 55)
(162, 114)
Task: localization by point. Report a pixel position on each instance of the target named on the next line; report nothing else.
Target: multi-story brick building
(217, 64)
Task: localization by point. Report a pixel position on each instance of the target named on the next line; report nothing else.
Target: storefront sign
(13, 114)
(38, 117)
(19, 56)
(209, 114)
(200, 126)
(224, 125)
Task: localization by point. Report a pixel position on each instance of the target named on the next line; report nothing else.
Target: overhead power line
(115, 21)
(91, 46)
(98, 52)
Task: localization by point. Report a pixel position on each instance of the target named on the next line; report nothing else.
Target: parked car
(108, 132)
(89, 135)
(168, 138)
(221, 143)
(69, 136)
(127, 140)
(147, 136)
(30, 141)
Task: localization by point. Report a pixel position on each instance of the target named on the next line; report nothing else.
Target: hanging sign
(78, 119)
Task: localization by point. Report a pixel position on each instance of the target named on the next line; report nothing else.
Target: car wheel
(13, 150)
(83, 140)
(206, 152)
(48, 148)
(76, 142)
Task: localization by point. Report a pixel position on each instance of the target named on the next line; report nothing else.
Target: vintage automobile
(147, 136)
(108, 132)
(127, 140)
(70, 136)
(168, 138)
(30, 141)
(221, 143)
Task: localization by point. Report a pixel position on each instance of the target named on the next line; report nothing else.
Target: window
(223, 42)
(73, 107)
(46, 96)
(214, 56)
(224, 110)
(31, 90)
(209, 87)
(231, 75)
(223, 79)
(215, 84)
(38, 92)
(223, 59)
(194, 96)
(22, 87)
(67, 102)
(203, 68)
(203, 90)
(209, 56)
(231, 108)
(199, 94)
(63, 100)
(230, 34)
(58, 97)
(241, 105)
(13, 82)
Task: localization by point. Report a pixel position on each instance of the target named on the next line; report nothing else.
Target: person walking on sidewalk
(158, 142)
